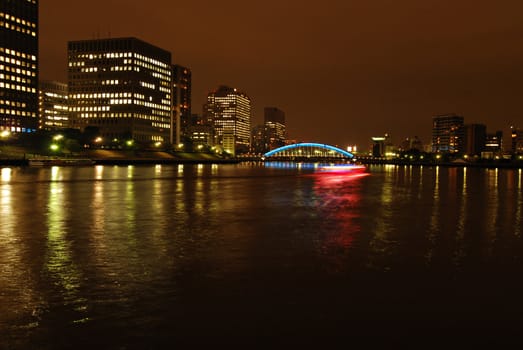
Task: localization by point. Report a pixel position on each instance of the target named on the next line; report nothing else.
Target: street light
(58, 137)
(5, 134)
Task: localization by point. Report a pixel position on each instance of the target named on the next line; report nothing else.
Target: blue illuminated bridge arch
(308, 150)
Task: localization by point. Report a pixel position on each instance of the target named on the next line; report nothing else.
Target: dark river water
(149, 256)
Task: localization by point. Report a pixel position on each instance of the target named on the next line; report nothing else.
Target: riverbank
(114, 157)
(490, 163)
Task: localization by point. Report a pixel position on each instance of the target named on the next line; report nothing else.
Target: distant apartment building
(474, 139)
(18, 66)
(53, 105)
(516, 138)
(121, 86)
(181, 78)
(258, 139)
(229, 112)
(382, 146)
(447, 134)
(274, 122)
(494, 142)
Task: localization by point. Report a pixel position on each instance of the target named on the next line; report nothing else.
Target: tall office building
(229, 111)
(53, 105)
(18, 65)
(181, 77)
(123, 87)
(447, 133)
(274, 122)
(474, 139)
(516, 136)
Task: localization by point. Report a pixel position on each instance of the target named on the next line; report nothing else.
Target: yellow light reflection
(60, 264)
(99, 172)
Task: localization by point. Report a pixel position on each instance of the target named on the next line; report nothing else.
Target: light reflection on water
(101, 247)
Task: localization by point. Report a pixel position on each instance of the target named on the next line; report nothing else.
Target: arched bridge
(308, 151)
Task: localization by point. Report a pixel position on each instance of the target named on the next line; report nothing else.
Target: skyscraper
(516, 136)
(230, 114)
(18, 65)
(274, 122)
(181, 103)
(447, 133)
(474, 139)
(53, 105)
(123, 87)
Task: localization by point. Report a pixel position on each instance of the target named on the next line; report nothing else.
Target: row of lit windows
(125, 115)
(7, 77)
(148, 85)
(14, 112)
(17, 87)
(90, 109)
(161, 125)
(17, 70)
(110, 82)
(89, 70)
(153, 61)
(17, 20)
(13, 103)
(55, 95)
(161, 73)
(101, 95)
(124, 68)
(105, 55)
(146, 59)
(17, 129)
(17, 62)
(18, 54)
(17, 28)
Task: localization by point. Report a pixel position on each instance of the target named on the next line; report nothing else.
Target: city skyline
(362, 69)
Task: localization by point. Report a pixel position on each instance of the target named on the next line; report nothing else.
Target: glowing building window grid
(17, 24)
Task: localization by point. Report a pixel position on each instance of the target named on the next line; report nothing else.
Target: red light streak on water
(340, 197)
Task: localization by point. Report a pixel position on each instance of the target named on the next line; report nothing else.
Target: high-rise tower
(274, 124)
(181, 79)
(18, 65)
(229, 111)
(448, 133)
(123, 87)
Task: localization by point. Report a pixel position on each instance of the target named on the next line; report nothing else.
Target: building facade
(474, 139)
(19, 66)
(447, 134)
(181, 77)
(123, 87)
(229, 112)
(53, 105)
(494, 142)
(516, 138)
(274, 122)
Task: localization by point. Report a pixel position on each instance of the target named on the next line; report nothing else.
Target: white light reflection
(5, 175)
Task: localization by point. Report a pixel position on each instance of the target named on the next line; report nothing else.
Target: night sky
(342, 70)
